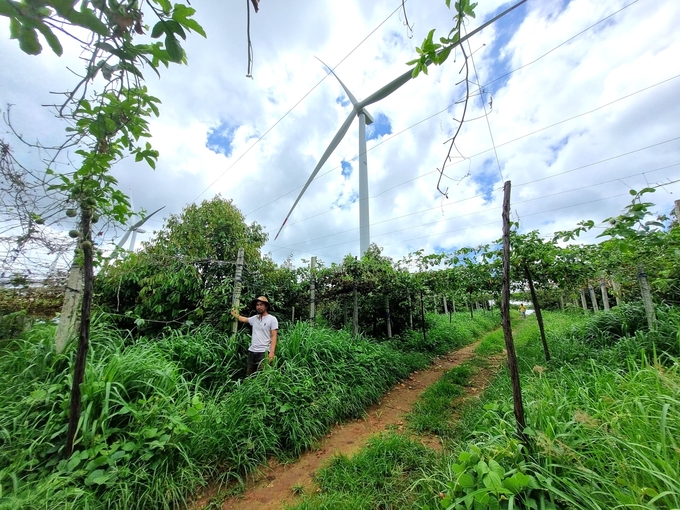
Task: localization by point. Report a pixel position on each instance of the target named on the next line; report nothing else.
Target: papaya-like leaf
(173, 48)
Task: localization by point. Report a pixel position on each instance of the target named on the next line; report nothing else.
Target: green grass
(162, 417)
(379, 476)
(603, 417)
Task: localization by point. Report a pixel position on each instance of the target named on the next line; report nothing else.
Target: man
(523, 310)
(265, 329)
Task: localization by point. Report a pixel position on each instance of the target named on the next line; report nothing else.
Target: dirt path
(273, 488)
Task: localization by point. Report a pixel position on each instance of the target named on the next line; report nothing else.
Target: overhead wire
(296, 104)
(482, 211)
(557, 174)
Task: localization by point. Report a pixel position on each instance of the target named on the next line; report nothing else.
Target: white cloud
(634, 49)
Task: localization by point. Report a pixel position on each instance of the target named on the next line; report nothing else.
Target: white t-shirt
(262, 328)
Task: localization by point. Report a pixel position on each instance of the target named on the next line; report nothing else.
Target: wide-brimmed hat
(262, 299)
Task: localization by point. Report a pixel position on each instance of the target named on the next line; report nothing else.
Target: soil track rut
(272, 488)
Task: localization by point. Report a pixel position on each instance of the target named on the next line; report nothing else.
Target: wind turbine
(134, 229)
(358, 109)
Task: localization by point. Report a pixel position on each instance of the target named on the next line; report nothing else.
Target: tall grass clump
(137, 412)
(603, 420)
(163, 416)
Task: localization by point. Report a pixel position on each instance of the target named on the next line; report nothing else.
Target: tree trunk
(561, 302)
(453, 305)
(646, 297)
(68, 320)
(505, 317)
(446, 306)
(292, 315)
(593, 298)
(539, 315)
(84, 338)
(472, 316)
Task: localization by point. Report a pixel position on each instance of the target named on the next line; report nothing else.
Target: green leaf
(28, 41)
(173, 48)
(466, 481)
(86, 18)
(51, 39)
(158, 30)
(165, 5)
(176, 28)
(97, 477)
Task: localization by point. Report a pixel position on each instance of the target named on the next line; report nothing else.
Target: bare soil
(272, 488)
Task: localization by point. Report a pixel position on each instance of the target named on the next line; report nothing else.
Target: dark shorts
(254, 360)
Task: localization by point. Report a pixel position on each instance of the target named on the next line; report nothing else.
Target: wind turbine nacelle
(140, 231)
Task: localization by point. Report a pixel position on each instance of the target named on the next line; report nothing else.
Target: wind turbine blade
(353, 100)
(134, 228)
(349, 94)
(120, 243)
(385, 91)
(144, 220)
(401, 80)
(331, 147)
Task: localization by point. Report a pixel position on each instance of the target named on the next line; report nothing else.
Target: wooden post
(236, 296)
(388, 318)
(422, 314)
(355, 313)
(312, 292)
(537, 310)
(68, 323)
(617, 292)
(505, 318)
(593, 298)
(446, 306)
(646, 296)
(410, 310)
(584, 304)
(605, 296)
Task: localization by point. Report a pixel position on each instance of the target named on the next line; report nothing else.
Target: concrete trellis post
(68, 323)
(617, 292)
(236, 297)
(605, 296)
(593, 299)
(646, 296)
(584, 304)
